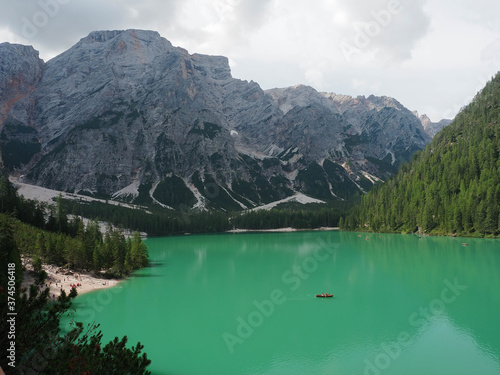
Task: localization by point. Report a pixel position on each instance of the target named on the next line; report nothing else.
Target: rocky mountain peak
(431, 128)
(124, 114)
(297, 96)
(17, 50)
(106, 35)
(144, 46)
(134, 46)
(424, 119)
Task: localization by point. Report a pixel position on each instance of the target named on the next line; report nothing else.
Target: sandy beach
(59, 278)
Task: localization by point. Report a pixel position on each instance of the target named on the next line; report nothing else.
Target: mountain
(20, 72)
(432, 128)
(452, 187)
(126, 115)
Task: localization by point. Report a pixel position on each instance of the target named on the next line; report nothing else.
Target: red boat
(324, 295)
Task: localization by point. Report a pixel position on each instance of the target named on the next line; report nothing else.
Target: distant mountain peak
(432, 128)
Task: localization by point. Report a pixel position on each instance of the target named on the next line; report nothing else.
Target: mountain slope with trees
(37, 344)
(452, 187)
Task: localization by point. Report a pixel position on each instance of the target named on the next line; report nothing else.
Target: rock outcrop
(432, 128)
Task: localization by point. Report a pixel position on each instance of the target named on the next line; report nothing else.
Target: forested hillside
(45, 233)
(451, 187)
(37, 344)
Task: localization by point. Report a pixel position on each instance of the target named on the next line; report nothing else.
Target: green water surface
(245, 304)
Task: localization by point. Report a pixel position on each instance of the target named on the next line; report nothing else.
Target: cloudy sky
(431, 55)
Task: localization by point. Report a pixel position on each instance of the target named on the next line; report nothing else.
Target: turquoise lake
(245, 304)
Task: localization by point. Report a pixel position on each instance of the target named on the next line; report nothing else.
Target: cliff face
(124, 114)
(20, 72)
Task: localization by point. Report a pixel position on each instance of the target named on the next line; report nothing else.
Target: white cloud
(429, 55)
(365, 85)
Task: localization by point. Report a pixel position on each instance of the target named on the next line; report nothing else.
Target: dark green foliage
(143, 198)
(365, 183)
(167, 222)
(173, 192)
(139, 256)
(254, 167)
(62, 242)
(384, 165)
(159, 223)
(294, 215)
(215, 194)
(16, 153)
(41, 347)
(270, 162)
(280, 184)
(314, 182)
(245, 189)
(8, 196)
(452, 187)
(340, 181)
(266, 191)
(19, 143)
(87, 250)
(9, 252)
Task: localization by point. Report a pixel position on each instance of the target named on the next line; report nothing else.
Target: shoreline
(59, 278)
(449, 235)
(281, 230)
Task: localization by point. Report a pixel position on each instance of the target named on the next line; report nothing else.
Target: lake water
(245, 304)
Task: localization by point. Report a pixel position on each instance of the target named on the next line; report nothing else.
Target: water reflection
(388, 297)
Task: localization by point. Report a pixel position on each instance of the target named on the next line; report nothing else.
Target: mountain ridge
(126, 114)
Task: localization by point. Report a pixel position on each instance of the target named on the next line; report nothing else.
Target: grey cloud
(54, 25)
(241, 18)
(248, 15)
(392, 34)
(252, 13)
(361, 9)
(482, 12)
(406, 29)
(492, 52)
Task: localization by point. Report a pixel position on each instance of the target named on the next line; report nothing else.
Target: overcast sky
(432, 56)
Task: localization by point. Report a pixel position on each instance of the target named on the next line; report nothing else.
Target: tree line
(160, 222)
(69, 242)
(284, 218)
(451, 187)
(157, 222)
(37, 344)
